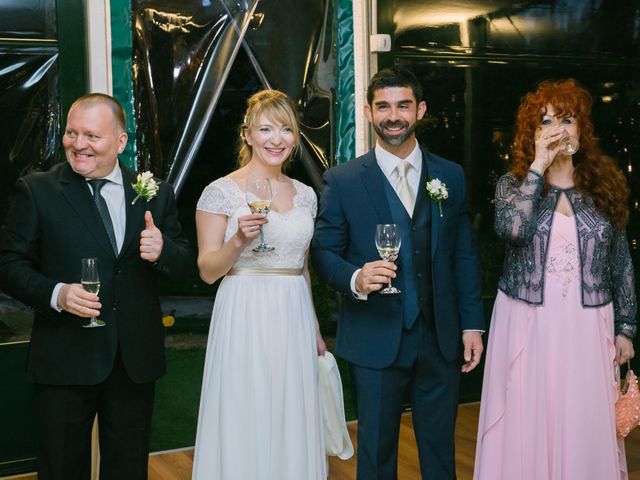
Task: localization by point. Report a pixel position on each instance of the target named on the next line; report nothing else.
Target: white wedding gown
(259, 413)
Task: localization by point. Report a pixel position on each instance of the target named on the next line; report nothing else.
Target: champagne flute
(258, 195)
(90, 281)
(388, 244)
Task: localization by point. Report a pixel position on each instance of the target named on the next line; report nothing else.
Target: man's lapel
(422, 200)
(373, 179)
(433, 171)
(135, 213)
(78, 195)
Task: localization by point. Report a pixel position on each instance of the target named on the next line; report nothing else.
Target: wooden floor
(176, 465)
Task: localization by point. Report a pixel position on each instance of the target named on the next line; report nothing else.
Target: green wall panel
(345, 87)
(122, 71)
(73, 53)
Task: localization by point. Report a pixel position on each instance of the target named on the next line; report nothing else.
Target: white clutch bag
(336, 435)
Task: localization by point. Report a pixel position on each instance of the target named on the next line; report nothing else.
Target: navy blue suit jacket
(353, 202)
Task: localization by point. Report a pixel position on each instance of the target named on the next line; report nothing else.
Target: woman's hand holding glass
(547, 147)
(258, 196)
(551, 141)
(249, 227)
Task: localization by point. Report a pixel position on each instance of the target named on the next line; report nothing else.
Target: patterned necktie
(103, 210)
(403, 189)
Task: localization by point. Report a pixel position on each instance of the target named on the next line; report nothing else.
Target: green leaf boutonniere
(145, 187)
(437, 191)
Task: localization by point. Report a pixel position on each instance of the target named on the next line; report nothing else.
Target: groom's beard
(400, 137)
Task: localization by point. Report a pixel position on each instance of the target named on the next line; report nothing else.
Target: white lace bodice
(289, 232)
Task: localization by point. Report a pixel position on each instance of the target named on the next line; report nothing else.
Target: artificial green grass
(175, 414)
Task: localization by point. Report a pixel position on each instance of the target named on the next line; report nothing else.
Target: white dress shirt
(113, 194)
(388, 162)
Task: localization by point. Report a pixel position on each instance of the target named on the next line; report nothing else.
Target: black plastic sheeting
(184, 55)
(29, 104)
(21, 19)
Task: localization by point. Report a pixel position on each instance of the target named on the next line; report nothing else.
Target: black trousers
(64, 418)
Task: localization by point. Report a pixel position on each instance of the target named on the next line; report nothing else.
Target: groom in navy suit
(408, 345)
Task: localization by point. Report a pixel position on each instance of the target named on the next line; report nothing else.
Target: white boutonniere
(145, 187)
(437, 191)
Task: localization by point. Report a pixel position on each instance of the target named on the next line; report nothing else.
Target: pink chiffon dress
(547, 408)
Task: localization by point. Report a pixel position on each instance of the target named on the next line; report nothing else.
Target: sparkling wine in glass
(90, 281)
(569, 144)
(388, 245)
(258, 195)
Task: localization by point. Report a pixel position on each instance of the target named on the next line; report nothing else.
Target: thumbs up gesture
(150, 239)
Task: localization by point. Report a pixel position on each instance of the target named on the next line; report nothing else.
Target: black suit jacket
(51, 225)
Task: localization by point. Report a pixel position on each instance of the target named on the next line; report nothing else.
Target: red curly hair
(595, 175)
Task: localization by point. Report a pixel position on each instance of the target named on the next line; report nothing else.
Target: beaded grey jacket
(523, 219)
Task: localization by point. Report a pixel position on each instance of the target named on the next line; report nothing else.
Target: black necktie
(97, 185)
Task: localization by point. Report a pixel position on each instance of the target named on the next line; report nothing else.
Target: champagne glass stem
(261, 236)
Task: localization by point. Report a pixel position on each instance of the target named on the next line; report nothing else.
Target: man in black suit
(408, 345)
(57, 218)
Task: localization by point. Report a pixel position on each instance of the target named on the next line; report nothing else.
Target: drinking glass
(258, 195)
(90, 281)
(388, 245)
(570, 144)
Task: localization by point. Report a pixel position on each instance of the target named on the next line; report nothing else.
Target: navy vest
(414, 261)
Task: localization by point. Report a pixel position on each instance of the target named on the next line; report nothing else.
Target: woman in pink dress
(565, 309)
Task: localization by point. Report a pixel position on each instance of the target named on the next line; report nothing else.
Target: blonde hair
(278, 108)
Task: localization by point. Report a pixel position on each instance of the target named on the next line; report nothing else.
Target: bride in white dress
(259, 413)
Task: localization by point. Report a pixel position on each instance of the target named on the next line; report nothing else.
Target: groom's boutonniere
(145, 187)
(437, 191)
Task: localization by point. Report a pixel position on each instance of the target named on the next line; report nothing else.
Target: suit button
(117, 271)
(417, 252)
(420, 275)
(115, 307)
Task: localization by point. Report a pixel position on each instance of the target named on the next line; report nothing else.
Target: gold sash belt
(265, 271)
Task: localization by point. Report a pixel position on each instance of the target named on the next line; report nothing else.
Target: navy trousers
(431, 384)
